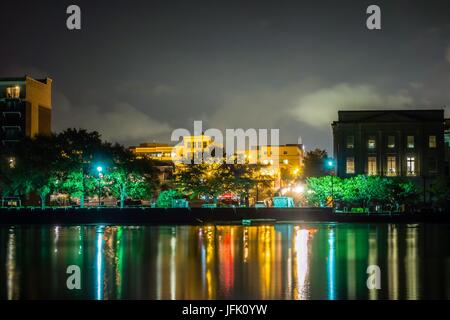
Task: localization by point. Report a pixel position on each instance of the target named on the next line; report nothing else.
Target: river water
(282, 261)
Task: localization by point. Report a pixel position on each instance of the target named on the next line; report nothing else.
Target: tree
(203, 180)
(315, 163)
(246, 178)
(128, 176)
(400, 191)
(361, 190)
(35, 168)
(80, 149)
(213, 179)
(320, 189)
(165, 198)
(39, 162)
(367, 189)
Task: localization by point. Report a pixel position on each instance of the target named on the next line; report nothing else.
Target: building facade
(393, 143)
(25, 108)
(276, 161)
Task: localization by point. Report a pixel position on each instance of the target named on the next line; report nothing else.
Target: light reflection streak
(373, 259)
(331, 265)
(351, 265)
(393, 262)
(99, 265)
(301, 261)
(173, 270)
(411, 263)
(13, 289)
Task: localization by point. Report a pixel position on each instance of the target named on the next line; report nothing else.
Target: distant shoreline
(200, 216)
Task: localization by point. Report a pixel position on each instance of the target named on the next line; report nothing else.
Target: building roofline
(24, 78)
(393, 110)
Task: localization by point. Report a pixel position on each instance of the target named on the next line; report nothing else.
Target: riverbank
(196, 216)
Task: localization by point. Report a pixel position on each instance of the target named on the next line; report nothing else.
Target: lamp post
(330, 165)
(99, 170)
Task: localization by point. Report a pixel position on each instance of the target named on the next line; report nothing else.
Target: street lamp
(99, 170)
(330, 166)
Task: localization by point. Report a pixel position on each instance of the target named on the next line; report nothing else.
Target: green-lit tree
(165, 198)
(128, 176)
(367, 189)
(321, 189)
(81, 150)
(400, 191)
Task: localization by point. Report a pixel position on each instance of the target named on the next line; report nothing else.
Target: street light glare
(99, 169)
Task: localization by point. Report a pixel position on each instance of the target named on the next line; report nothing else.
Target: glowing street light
(99, 170)
(300, 188)
(330, 165)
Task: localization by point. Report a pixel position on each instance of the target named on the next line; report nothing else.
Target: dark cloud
(139, 69)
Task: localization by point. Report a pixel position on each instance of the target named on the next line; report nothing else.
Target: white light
(299, 188)
(99, 169)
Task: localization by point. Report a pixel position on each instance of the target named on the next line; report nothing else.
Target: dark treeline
(76, 163)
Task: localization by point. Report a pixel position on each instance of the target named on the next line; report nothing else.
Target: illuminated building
(26, 108)
(290, 156)
(191, 146)
(156, 151)
(290, 160)
(407, 143)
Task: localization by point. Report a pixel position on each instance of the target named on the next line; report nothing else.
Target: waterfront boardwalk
(199, 216)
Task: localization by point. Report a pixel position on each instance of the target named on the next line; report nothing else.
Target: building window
(189, 145)
(371, 143)
(391, 166)
(13, 92)
(372, 166)
(432, 141)
(285, 152)
(432, 166)
(391, 142)
(411, 166)
(350, 165)
(350, 142)
(12, 163)
(410, 142)
(205, 144)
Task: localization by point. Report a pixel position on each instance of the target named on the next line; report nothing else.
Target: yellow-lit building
(289, 165)
(194, 147)
(155, 151)
(190, 147)
(25, 108)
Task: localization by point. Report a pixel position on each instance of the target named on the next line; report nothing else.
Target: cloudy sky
(139, 69)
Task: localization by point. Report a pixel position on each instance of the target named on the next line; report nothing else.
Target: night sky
(139, 69)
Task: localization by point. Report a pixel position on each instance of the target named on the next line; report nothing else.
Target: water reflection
(320, 261)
